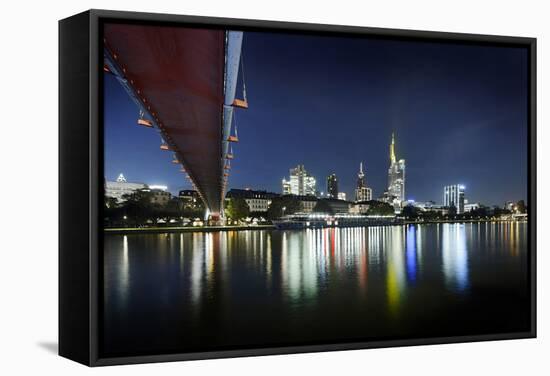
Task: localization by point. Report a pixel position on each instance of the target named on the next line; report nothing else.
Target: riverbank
(461, 221)
(158, 230)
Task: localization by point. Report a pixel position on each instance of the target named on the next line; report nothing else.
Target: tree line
(137, 209)
(483, 212)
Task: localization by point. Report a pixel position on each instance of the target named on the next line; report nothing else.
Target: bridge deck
(178, 75)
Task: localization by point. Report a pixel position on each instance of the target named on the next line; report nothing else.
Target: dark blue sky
(459, 113)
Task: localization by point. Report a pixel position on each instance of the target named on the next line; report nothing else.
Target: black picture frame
(80, 170)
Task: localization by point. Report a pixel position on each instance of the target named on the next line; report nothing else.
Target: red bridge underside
(179, 73)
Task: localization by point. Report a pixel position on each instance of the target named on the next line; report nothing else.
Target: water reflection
(455, 256)
(411, 253)
(298, 268)
(197, 262)
(396, 279)
(124, 271)
(331, 254)
(308, 259)
(297, 277)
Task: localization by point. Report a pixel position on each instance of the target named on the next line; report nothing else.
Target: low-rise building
(337, 206)
(443, 210)
(361, 207)
(422, 205)
(469, 207)
(160, 197)
(307, 202)
(257, 201)
(189, 198)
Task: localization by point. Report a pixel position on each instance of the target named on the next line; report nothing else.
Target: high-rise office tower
(300, 182)
(362, 192)
(453, 195)
(332, 186)
(396, 176)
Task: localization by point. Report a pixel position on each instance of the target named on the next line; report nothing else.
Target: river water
(181, 292)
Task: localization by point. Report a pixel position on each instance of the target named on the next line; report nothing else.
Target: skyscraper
(396, 177)
(332, 186)
(286, 187)
(453, 195)
(362, 192)
(300, 183)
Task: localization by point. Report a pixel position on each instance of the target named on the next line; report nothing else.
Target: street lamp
(284, 208)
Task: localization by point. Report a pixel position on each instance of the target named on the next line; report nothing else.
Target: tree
(520, 207)
(193, 209)
(283, 205)
(379, 208)
(480, 212)
(431, 215)
(452, 211)
(137, 207)
(172, 210)
(500, 211)
(410, 212)
(324, 207)
(110, 202)
(237, 209)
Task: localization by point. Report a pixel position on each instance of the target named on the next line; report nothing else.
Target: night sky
(459, 113)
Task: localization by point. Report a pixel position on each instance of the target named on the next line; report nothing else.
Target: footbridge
(184, 83)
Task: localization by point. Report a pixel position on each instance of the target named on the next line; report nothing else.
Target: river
(182, 292)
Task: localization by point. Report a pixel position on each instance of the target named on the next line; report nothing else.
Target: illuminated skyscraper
(120, 188)
(396, 177)
(362, 192)
(286, 187)
(332, 186)
(300, 183)
(453, 195)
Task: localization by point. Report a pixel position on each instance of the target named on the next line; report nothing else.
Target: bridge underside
(176, 75)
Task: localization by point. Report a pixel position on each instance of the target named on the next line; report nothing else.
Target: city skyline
(458, 104)
(301, 183)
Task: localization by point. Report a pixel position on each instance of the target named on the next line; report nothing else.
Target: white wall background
(28, 160)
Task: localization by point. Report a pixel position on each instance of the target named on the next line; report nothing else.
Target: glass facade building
(453, 195)
(362, 192)
(300, 183)
(396, 176)
(332, 186)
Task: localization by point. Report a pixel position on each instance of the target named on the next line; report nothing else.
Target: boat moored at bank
(312, 220)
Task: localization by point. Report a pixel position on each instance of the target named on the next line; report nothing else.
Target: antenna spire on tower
(392, 149)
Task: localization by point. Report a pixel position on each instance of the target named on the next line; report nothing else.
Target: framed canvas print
(238, 187)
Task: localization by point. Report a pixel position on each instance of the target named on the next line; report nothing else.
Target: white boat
(317, 220)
